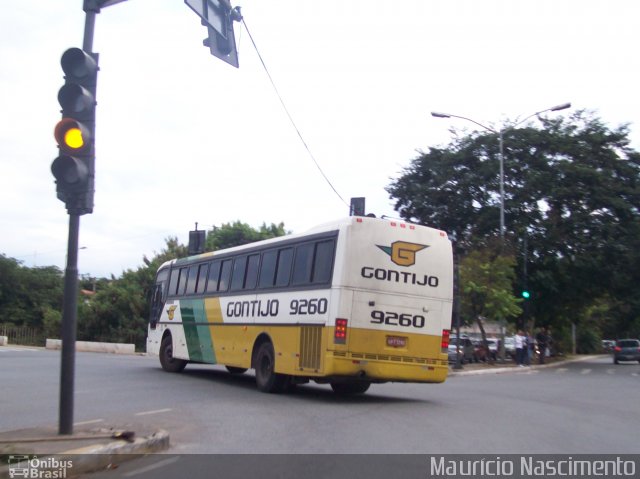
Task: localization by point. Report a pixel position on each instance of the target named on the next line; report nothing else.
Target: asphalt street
(571, 408)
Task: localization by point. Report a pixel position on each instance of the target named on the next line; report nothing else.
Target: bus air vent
(310, 345)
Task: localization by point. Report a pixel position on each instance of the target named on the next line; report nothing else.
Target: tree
(238, 233)
(572, 188)
(27, 294)
(486, 278)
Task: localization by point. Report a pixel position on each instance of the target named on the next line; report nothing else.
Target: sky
(182, 137)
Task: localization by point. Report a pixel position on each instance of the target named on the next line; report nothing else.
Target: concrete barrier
(90, 346)
(4, 341)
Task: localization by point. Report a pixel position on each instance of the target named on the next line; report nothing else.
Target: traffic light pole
(69, 327)
(70, 300)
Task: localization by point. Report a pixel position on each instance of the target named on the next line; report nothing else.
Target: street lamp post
(500, 134)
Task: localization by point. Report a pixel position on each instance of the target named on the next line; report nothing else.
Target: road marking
(156, 411)
(585, 371)
(157, 465)
(634, 374)
(561, 370)
(84, 423)
(611, 371)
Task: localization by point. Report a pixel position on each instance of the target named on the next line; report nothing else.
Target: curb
(515, 369)
(99, 456)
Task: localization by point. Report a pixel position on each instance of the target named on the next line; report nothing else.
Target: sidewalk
(474, 369)
(87, 449)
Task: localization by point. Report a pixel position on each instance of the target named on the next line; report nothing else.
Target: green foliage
(116, 309)
(572, 188)
(237, 234)
(588, 341)
(486, 279)
(26, 294)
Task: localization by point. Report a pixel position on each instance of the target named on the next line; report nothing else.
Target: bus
(357, 301)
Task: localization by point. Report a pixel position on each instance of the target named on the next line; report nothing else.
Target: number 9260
(390, 318)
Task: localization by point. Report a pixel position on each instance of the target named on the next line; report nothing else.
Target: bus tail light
(445, 340)
(340, 331)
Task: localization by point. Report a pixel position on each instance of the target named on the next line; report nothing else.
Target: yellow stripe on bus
(214, 310)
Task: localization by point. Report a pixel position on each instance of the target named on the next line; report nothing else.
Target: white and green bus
(350, 303)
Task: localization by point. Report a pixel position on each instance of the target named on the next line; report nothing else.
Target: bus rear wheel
(168, 362)
(357, 387)
(267, 379)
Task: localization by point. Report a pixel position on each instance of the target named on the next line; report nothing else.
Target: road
(580, 407)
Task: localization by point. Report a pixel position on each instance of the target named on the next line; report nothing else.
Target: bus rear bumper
(388, 368)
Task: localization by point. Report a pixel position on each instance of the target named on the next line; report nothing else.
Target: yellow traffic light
(71, 135)
(73, 138)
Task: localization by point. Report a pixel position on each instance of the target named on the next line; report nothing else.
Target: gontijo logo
(403, 253)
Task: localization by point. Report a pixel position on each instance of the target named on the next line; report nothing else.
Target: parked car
(608, 345)
(466, 349)
(480, 353)
(510, 347)
(626, 350)
(493, 348)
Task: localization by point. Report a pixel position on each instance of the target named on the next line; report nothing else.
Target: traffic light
(74, 168)
(525, 294)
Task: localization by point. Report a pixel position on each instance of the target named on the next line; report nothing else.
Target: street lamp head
(564, 106)
(440, 115)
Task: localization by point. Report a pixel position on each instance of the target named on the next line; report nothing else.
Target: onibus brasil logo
(33, 468)
(403, 253)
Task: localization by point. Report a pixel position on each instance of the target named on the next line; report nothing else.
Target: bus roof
(322, 228)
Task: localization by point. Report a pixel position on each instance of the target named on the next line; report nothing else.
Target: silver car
(626, 350)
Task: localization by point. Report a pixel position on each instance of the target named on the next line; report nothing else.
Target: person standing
(542, 339)
(529, 348)
(520, 340)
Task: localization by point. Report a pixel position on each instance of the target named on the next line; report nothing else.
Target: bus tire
(267, 380)
(236, 370)
(356, 387)
(168, 362)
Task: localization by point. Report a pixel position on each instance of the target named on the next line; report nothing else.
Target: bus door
(158, 297)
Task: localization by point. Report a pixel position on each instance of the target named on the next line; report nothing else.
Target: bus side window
(214, 277)
(182, 281)
(303, 263)
(253, 264)
(323, 261)
(239, 271)
(268, 270)
(203, 269)
(173, 283)
(192, 280)
(283, 273)
(225, 273)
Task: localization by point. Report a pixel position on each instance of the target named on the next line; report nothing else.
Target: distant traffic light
(526, 294)
(74, 168)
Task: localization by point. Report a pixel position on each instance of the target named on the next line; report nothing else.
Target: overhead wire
(286, 110)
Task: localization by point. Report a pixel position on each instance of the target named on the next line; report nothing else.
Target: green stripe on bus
(196, 331)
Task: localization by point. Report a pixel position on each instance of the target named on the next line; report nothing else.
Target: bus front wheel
(267, 379)
(168, 362)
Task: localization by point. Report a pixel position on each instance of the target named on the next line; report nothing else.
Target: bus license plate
(396, 341)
